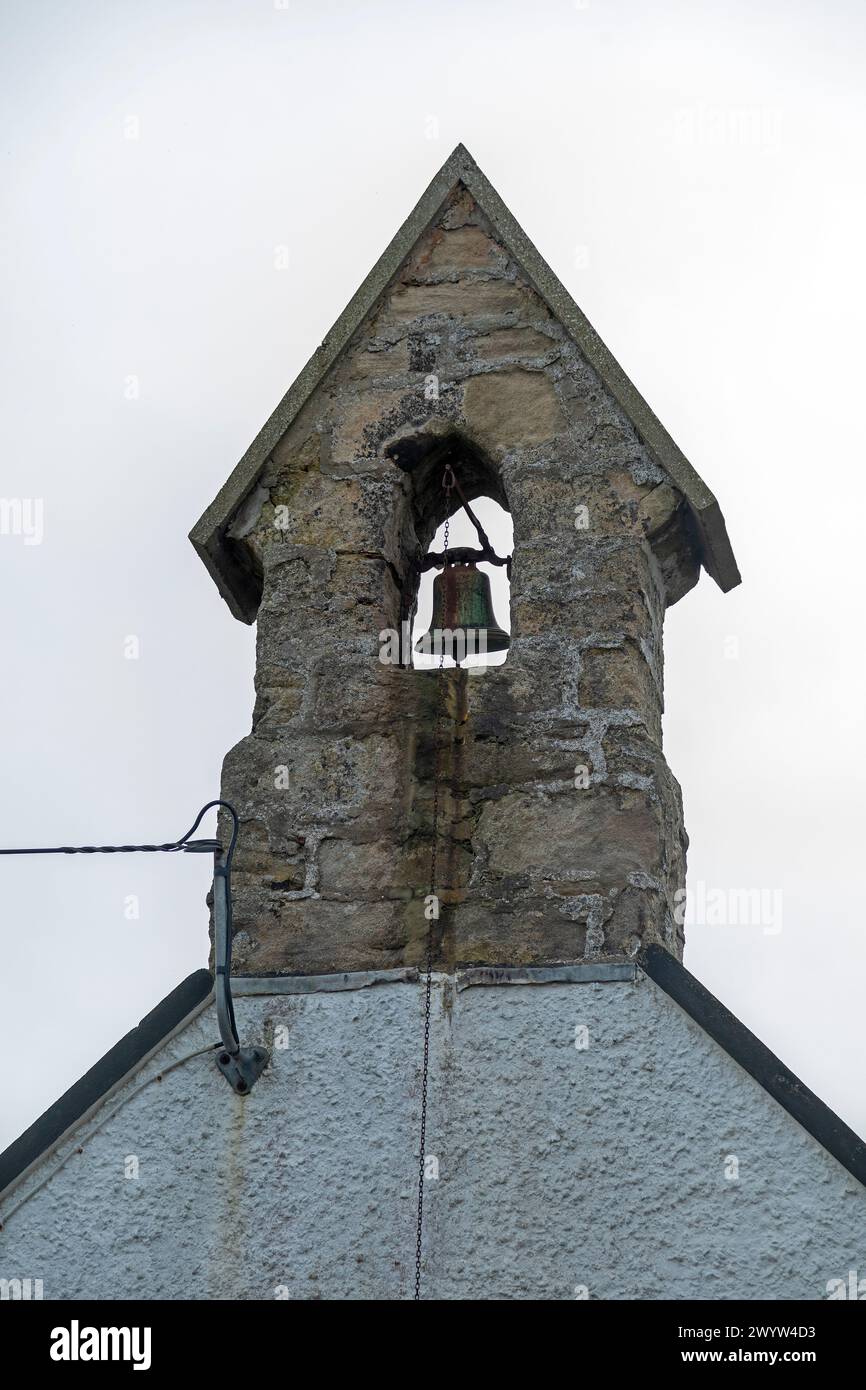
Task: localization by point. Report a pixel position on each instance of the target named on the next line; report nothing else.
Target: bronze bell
(463, 622)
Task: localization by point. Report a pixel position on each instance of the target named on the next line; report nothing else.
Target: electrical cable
(222, 876)
(185, 843)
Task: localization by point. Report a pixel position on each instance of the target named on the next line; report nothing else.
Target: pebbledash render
(598, 1125)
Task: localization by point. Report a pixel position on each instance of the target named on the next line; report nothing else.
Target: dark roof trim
(209, 533)
(95, 1085)
(752, 1055)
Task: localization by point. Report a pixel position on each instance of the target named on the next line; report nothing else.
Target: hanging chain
(448, 481)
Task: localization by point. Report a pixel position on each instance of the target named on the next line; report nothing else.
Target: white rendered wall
(559, 1167)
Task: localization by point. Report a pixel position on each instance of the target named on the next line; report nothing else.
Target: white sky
(692, 171)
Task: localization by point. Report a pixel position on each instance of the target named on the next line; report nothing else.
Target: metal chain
(447, 484)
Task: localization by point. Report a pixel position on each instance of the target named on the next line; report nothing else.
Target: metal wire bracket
(241, 1066)
(244, 1069)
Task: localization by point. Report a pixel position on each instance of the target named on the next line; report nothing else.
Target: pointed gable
(449, 261)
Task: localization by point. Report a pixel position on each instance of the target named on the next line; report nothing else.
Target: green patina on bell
(463, 622)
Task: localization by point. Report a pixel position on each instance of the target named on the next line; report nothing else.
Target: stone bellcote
(561, 834)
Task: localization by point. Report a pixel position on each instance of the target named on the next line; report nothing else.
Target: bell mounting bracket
(465, 555)
(462, 555)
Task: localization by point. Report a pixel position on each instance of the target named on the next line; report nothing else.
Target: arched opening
(456, 601)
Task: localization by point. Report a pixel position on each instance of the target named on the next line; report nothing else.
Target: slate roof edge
(208, 534)
(171, 1015)
(755, 1057)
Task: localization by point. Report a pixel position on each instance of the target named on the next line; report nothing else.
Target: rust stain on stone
(452, 774)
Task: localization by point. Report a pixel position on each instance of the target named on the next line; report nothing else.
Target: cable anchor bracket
(241, 1066)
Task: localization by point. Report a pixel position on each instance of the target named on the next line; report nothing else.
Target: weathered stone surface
(560, 828)
(507, 409)
(546, 499)
(451, 252)
(343, 598)
(304, 780)
(354, 694)
(617, 678)
(359, 415)
(604, 834)
(513, 342)
(657, 508)
(382, 363)
(279, 698)
(462, 299)
(577, 612)
(320, 936)
(359, 871)
(500, 932)
(355, 514)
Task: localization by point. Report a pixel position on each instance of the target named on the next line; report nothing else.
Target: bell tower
(461, 369)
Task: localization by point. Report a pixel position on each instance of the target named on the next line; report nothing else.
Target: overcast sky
(694, 174)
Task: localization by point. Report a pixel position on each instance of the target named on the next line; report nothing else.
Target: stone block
(579, 613)
(658, 508)
(450, 252)
(305, 780)
(371, 364)
(524, 342)
(359, 871)
(508, 409)
(355, 417)
(603, 832)
(310, 936)
(463, 299)
(617, 678)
